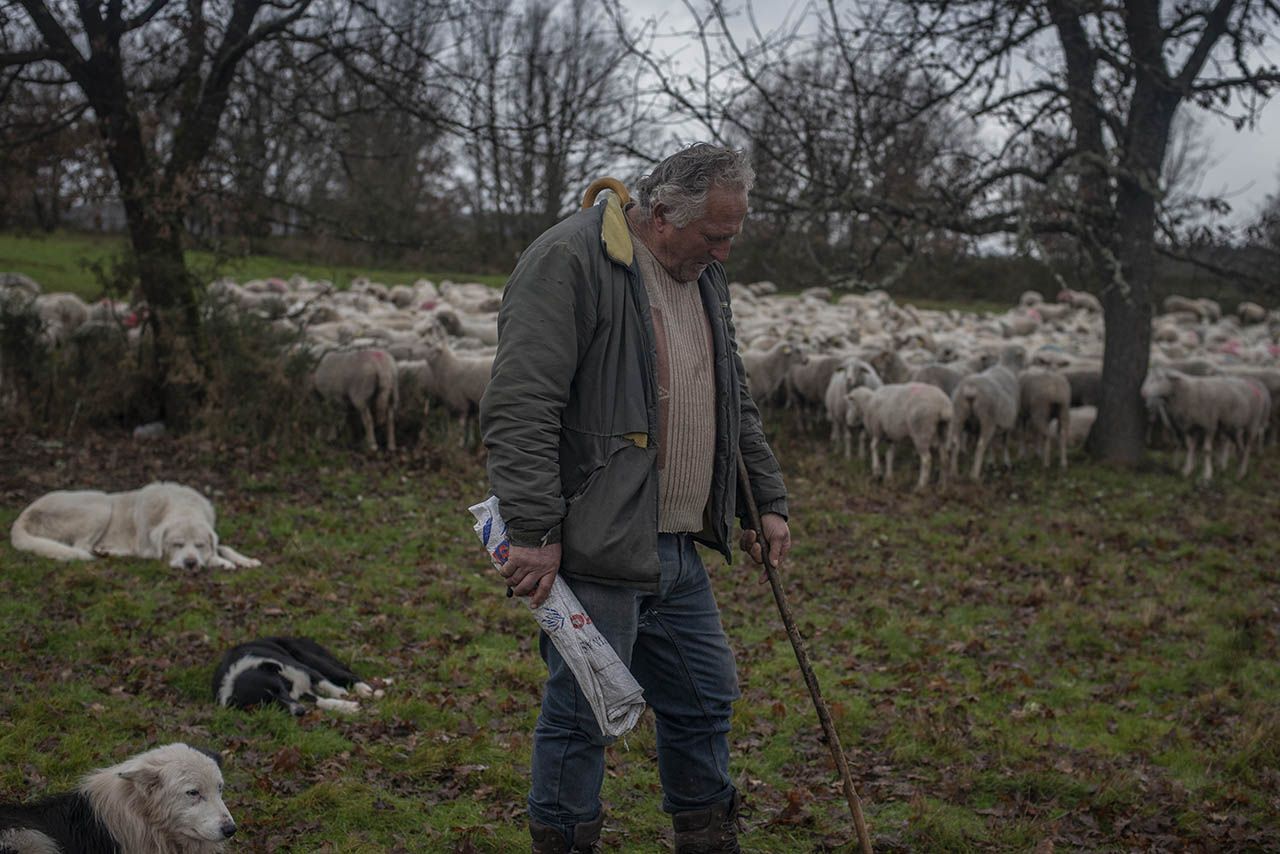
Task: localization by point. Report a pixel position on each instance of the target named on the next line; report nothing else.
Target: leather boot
(549, 840)
(710, 830)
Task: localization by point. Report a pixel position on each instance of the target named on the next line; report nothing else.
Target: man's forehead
(725, 210)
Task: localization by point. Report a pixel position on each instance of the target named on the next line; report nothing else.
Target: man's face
(687, 251)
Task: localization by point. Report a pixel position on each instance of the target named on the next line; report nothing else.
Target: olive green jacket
(570, 414)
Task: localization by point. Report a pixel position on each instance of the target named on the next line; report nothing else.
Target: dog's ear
(144, 777)
(156, 538)
(216, 757)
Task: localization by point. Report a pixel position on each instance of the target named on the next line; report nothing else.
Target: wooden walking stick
(802, 656)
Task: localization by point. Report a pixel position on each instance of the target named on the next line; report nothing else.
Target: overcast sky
(1243, 167)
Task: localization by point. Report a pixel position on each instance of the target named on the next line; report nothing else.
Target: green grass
(1087, 659)
(65, 262)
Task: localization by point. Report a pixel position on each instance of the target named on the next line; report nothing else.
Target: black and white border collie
(168, 799)
(286, 671)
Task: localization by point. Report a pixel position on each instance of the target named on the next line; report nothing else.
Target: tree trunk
(1119, 435)
(172, 295)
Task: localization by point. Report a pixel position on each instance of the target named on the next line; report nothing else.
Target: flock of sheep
(950, 383)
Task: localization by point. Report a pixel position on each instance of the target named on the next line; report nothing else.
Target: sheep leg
(1006, 440)
(847, 438)
(1243, 444)
(1064, 427)
(875, 455)
(1208, 455)
(1190, 465)
(953, 452)
(984, 439)
(465, 421)
(888, 460)
(371, 438)
(387, 409)
(926, 462)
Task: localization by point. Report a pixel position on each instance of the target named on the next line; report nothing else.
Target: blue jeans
(674, 644)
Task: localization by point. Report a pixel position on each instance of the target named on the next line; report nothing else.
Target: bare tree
(543, 105)
(156, 77)
(1077, 100)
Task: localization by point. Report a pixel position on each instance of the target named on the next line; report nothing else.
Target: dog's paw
(251, 562)
(363, 689)
(346, 707)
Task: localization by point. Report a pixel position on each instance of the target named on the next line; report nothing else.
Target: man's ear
(658, 216)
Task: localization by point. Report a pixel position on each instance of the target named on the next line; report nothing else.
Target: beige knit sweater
(686, 395)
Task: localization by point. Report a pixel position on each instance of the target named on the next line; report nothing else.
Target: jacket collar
(615, 237)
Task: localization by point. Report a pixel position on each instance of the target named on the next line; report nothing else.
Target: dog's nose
(190, 563)
(228, 830)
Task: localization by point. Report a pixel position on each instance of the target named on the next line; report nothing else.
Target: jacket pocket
(610, 528)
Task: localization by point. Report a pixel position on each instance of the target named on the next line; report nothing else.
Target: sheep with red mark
(365, 380)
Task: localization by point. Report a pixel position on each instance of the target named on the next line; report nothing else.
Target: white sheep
(365, 380)
(766, 370)
(1044, 396)
(1251, 312)
(458, 382)
(61, 315)
(463, 325)
(989, 402)
(1205, 407)
(1080, 300)
(1079, 427)
(806, 384)
(853, 373)
(917, 412)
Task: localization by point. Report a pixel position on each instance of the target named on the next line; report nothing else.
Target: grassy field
(1078, 662)
(65, 262)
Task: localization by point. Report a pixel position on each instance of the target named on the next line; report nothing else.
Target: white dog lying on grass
(162, 520)
(164, 801)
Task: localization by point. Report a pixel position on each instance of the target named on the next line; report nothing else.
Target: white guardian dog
(162, 520)
(165, 801)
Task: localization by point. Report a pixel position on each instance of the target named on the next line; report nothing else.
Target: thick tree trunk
(172, 295)
(1118, 436)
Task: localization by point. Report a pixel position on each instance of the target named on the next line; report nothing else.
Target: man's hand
(532, 569)
(776, 533)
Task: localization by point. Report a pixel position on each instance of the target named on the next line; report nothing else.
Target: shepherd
(614, 421)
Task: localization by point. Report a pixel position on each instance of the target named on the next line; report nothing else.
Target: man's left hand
(776, 533)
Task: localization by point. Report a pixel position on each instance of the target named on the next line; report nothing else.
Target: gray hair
(683, 181)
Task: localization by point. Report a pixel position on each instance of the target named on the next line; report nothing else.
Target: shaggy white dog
(162, 520)
(165, 801)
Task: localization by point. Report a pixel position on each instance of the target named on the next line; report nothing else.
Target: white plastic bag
(615, 697)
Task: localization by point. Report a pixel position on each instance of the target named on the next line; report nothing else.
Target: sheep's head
(1157, 386)
(859, 374)
(1013, 357)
